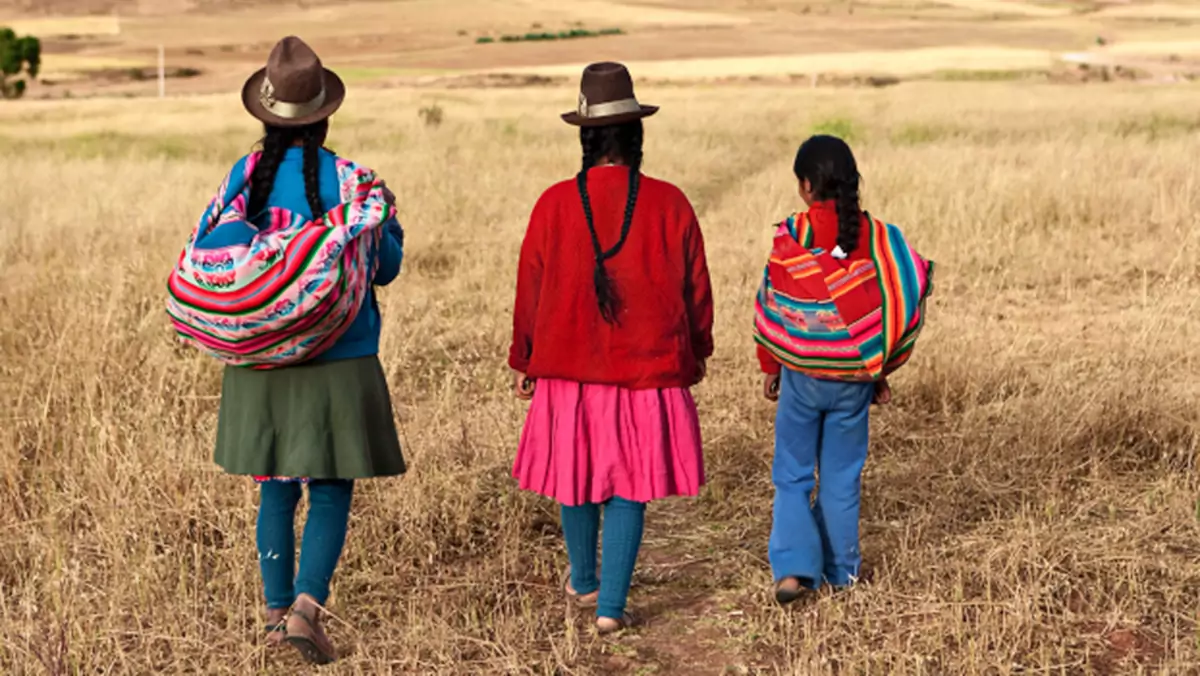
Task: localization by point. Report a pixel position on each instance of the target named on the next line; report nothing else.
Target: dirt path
(693, 600)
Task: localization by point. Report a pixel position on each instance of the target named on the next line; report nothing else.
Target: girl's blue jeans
(324, 536)
(623, 524)
(821, 425)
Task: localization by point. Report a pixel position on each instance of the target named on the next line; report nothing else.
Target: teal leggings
(623, 524)
(324, 537)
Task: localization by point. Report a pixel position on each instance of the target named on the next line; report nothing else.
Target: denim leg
(624, 522)
(324, 536)
(276, 540)
(581, 531)
(795, 547)
(844, 441)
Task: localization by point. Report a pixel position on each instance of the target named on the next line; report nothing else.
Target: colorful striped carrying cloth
(290, 291)
(837, 319)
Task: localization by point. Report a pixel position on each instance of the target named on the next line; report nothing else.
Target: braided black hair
(827, 163)
(275, 143)
(623, 143)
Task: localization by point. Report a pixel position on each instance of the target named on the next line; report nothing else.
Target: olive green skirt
(322, 420)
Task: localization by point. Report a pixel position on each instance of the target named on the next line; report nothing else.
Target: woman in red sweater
(612, 326)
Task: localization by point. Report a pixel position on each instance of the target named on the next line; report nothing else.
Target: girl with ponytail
(840, 308)
(612, 326)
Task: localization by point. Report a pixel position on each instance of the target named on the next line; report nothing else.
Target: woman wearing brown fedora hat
(612, 326)
(325, 420)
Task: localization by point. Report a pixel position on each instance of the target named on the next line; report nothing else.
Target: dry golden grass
(1030, 503)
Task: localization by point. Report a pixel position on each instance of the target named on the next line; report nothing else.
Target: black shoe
(785, 596)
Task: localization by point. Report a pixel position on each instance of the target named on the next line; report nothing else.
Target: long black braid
(312, 138)
(622, 142)
(828, 164)
(275, 143)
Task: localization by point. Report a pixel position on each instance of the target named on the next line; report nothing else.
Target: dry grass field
(1031, 503)
(1031, 500)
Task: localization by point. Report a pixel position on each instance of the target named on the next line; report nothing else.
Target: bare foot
(305, 633)
(582, 600)
(276, 625)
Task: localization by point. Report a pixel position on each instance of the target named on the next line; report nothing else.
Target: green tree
(20, 58)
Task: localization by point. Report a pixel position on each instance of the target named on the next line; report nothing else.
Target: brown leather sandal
(276, 629)
(308, 647)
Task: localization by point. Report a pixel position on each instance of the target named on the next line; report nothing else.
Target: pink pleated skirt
(588, 443)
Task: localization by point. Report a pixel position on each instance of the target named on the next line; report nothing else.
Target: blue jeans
(821, 425)
(324, 536)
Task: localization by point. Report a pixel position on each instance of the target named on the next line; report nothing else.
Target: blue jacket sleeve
(391, 253)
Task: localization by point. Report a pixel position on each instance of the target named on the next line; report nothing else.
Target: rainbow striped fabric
(293, 288)
(838, 319)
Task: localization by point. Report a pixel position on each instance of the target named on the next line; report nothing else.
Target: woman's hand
(883, 393)
(523, 386)
(701, 371)
(771, 384)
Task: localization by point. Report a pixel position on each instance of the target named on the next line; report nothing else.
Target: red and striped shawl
(837, 319)
(293, 288)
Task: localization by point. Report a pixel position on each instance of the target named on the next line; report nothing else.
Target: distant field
(401, 42)
(897, 62)
(54, 27)
(1008, 7)
(1153, 10)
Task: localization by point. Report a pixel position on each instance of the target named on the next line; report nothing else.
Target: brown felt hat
(294, 90)
(606, 97)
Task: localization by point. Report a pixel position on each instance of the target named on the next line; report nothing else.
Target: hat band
(285, 109)
(608, 108)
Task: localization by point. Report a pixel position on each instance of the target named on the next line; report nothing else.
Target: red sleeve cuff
(518, 363)
(767, 362)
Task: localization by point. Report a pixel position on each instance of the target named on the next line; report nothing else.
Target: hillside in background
(211, 44)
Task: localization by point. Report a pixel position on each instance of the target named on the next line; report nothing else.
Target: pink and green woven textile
(293, 289)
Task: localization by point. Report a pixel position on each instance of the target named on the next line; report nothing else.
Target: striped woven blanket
(292, 288)
(837, 319)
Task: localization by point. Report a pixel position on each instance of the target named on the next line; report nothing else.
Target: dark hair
(618, 142)
(827, 163)
(275, 143)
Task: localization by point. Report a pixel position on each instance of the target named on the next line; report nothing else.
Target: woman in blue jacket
(326, 422)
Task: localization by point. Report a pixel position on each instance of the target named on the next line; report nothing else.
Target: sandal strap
(312, 624)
